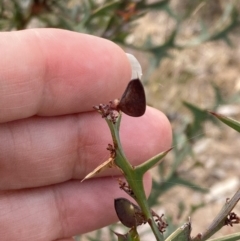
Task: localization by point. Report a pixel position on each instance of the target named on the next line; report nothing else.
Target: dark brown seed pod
(133, 101)
(128, 213)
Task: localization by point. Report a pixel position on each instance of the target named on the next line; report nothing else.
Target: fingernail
(136, 67)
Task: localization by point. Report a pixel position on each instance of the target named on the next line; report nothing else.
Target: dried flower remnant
(108, 111)
(162, 225)
(231, 219)
(132, 103)
(112, 151)
(125, 187)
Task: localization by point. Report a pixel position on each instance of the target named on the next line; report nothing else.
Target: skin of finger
(67, 239)
(52, 72)
(59, 211)
(42, 151)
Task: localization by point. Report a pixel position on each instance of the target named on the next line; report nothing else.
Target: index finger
(51, 72)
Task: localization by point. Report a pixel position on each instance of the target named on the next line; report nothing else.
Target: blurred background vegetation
(190, 54)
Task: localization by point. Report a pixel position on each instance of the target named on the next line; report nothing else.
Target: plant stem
(134, 179)
(219, 221)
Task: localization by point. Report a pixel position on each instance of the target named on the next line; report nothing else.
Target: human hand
(50, 137)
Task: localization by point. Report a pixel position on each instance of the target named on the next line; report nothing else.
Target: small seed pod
(133, 101)
(128, 213)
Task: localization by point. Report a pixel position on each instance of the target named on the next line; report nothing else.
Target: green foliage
(231, 237)
(199, 118)
(181, 234)
(130, 236)
(228, 121)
